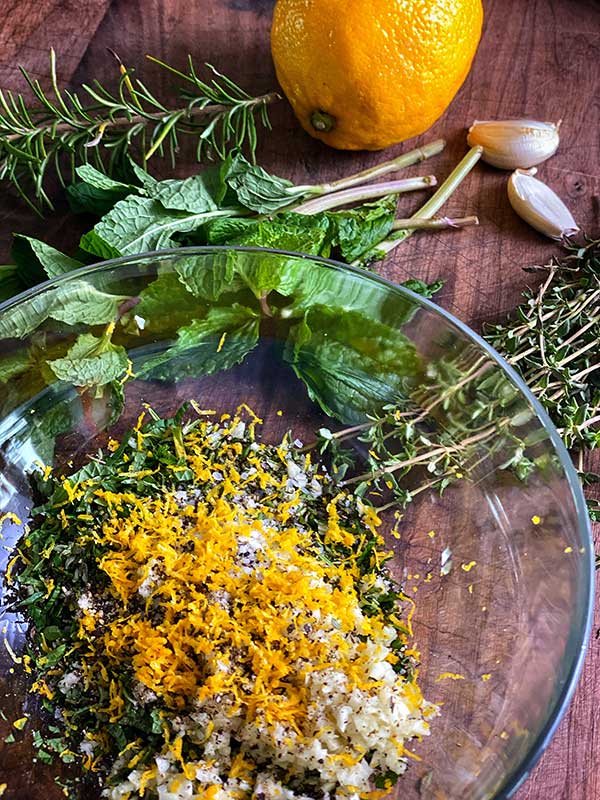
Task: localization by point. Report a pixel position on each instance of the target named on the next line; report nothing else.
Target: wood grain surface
(537, 58)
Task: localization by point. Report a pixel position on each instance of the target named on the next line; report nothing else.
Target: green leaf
(51, 260)
(86, 199)
(209, 278)
(420, 287)
(91, 361)
(166, 304)
(137, 224)
(192, 194)
(99, 180)
(145, 180)
(264, 272)
(45, 427)
(351, 364)
(223, 338)
(10, 282)
(358, 230)
(288, 231)
(115, 401)
(74, 302)
(96, 193)
(256, 189)
(338, 289)
(92, 243)
(228, 229)
(13, 364)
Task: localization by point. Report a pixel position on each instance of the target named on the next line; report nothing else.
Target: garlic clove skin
(539, 206)
(514, 143)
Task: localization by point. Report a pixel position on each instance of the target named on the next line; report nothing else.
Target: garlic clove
(514, 143)
(539, 206)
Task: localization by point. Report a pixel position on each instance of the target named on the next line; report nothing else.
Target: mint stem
(360, 193)
(416, 223)
(437, 200)
(367, 175)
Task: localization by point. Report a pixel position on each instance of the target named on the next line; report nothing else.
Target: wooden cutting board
(537, 58)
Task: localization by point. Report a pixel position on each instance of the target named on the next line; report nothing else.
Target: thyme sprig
(463, 418)
(552, 340)
(63, 131)
(466, 416)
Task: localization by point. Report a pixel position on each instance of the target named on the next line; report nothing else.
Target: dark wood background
(537, 58)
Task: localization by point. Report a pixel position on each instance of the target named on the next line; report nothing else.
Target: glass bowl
(500, 565)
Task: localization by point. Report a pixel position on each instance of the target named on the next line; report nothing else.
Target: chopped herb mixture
(212, 617)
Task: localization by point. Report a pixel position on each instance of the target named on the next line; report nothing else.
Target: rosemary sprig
(64, 131)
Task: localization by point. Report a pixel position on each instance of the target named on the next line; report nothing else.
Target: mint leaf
(45, 427)
(137, 224)
(223, 338)
(91, 361)
(79, 302)
(49, 259)
(227, 229)
(96, 193)
(265, 272)
(358, 230)
(192, 194)
(115, 401)
(13, 364)
(209, 279)
(288, 231)
(99, 180)
(256, 189)
(145, 180)
(341, 290)
(10, 282)
(72, 303)
(86, 199)
(351, 364)
(420, 287)
(166, 304)
(92, 243)
(93, 177)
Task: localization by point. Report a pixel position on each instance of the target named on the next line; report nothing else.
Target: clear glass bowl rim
(579, 638)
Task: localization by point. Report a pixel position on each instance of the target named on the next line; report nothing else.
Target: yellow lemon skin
(366, 74)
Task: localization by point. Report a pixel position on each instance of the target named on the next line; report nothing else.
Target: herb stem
(187, 114)
(415, 223)
(580, 331)
(573, 379)
(431, 456)
(577, 353)
(361, 193)
(437, 200)
(589, 422)
(413, 492)
(524, 354)
(60, 130)
(532, 380)
(474, 371)
(367, 175)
